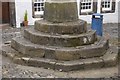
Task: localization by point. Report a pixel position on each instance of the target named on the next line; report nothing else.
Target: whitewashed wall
(108, 17)
(22, 6)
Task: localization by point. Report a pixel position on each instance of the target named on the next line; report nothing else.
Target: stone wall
(0, 12)
(12, 14)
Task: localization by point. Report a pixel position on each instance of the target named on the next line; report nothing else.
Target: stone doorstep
(60, 40)
(24, 46)
(108, 60)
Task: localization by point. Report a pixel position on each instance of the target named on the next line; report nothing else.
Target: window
(91, 6)
(38, 7)
(108, 6)
(86, 6)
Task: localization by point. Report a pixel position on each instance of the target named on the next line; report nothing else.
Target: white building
(35, 9)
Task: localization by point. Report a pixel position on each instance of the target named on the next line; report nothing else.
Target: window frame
(91, 11)
(112, 8)
(36, 14)
(85, 12)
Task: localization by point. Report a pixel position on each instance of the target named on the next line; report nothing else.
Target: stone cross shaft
(61, 11)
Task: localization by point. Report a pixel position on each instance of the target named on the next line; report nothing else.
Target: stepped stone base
(60, 40)
(107, 60)
(61, 53)
(74, 27)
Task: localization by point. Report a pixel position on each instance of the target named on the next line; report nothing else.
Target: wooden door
(5, 12)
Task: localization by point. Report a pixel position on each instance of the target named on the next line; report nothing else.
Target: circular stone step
(61, 53)
(74, 27)
(107, 60)
(60, 40)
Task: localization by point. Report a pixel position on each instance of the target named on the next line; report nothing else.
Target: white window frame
(107, 9)
(38, 12)
(87, 10)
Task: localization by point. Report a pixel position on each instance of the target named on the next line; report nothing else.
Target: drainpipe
(99, 6)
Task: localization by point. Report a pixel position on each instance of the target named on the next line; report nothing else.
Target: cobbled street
(11, 70)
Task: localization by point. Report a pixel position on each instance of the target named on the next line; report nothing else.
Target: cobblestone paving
(11, 70)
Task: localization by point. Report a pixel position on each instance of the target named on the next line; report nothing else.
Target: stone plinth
(74, 27)
(62, 41)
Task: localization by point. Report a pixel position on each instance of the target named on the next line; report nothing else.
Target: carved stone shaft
(61, 10)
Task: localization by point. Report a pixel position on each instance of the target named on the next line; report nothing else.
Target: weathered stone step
(75, 27)
(107, 60)
(60, 40)
(61, 53)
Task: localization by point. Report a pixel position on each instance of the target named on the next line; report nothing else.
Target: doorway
(5, 12)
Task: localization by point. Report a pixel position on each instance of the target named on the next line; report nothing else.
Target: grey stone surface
(42, 62)
(61, 53)
(114, 57)
(12, 70)
(74, 27)
(89, 63)
(60, 12)
(60, 40)
(43, 47)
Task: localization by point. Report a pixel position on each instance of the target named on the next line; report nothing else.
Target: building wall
(12, 14)
(22, 6)
(0, 12)
(119, 11)
(108, 17)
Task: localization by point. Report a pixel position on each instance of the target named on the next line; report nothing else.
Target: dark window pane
(83, 7)
(105, 6)
(81, 3)
(105, 2)
(38, 4)
(102, 5)
(38, 9)
(35, 4)
(42, 4)
(42, 8)
(86, 7)
(89, 3)
(35, 9)
(89, 7)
